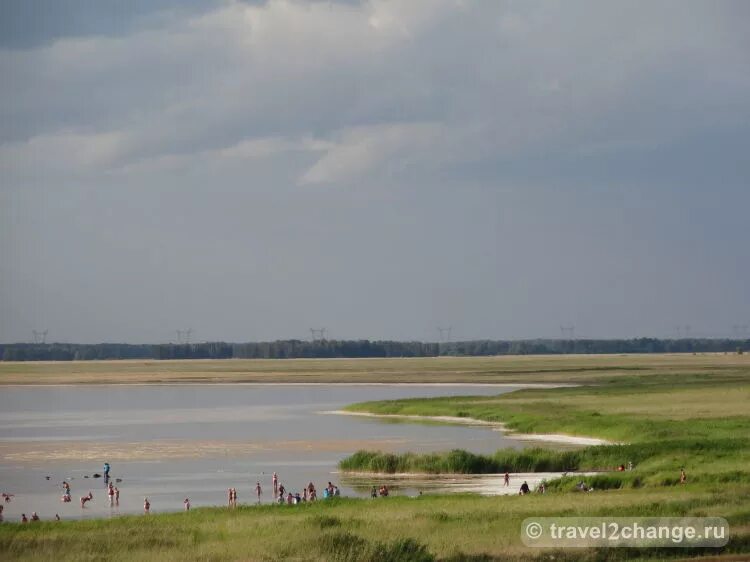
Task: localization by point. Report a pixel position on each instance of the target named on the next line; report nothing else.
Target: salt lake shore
(673, 414)
(498, 426)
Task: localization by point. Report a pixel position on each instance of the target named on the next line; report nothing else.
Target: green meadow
(662, 413)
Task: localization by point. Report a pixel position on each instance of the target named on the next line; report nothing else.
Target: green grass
(664, 421)
(648, 457)
(458, 527)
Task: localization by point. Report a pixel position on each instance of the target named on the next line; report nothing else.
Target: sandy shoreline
(498, 426)
(483, 484)
(541, 385)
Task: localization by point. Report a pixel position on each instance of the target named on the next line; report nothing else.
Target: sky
(251, 170)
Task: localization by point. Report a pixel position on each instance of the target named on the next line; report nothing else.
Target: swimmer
(85, 499)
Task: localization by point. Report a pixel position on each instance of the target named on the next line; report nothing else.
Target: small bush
(325, 521)
(347, 547)
(344, 547)
(402, 550)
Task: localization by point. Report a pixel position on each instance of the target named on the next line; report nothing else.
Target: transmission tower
(568, 332)
(318, 334)
(183, 336)
(445, 333)
(39, 337)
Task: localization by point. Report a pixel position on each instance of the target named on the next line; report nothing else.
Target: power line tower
(318, 334)
(183, 336)
(39, 337)
(568, 332)
(445, 333)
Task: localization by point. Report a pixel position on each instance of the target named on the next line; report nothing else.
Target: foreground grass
(397, 528)
(506, 369)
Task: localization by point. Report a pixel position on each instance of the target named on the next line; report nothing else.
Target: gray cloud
(378, 167)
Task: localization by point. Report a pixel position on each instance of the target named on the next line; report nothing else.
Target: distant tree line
(292, 349)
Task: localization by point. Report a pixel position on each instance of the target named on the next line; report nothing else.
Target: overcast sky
(253, 169)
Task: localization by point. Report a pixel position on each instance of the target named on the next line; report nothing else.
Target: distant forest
(294, 349)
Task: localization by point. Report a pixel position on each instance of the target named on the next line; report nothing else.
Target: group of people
(280, 495)
(232, 495)
(283, 496)
(382, 491)
(525, 489)
(34, 517)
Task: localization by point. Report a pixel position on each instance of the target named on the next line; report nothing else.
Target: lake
(169, 442)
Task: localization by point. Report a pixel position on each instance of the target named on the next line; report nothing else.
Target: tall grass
(601, 457)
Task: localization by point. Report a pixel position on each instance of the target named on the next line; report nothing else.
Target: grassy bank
(668, 420)
(597, 458)
(455, 528)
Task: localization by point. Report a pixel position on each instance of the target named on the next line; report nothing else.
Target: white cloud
(362, 151)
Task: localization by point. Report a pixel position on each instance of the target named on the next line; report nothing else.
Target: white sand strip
(498, 426)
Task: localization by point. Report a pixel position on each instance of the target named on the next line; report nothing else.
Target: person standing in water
(258, 491)
(146, 506)
(275, 480)
(187, 504)
(106, 471)
(117, 496)
(506, 480)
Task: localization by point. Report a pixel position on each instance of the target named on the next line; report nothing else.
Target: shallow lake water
(169, 442)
